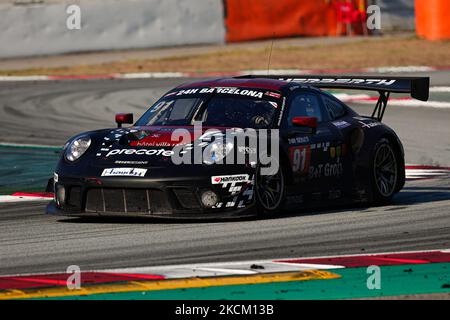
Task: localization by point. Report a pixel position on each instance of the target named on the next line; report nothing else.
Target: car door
(340, 121)
(307, 151)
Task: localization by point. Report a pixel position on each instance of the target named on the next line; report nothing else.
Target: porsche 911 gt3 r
(324, 152)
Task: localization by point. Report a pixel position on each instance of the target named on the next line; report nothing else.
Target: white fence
(41, 29)
(397, 15)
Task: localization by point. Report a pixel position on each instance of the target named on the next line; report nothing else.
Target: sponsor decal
(140, 152)
(338, 151)
(235, 189)
(124, 172)
(187, 91)
(333, 152)
(218, 205)
(280, 117)
(154, 144)
(321, 145)
(230, 204)
(341, 124)
(368, 124)
(377, 82)
(326, 170)
(274, 104)
(298, 140)
(273, 94)
(300, 159)
(131, 162)
(55, 177)
(232, 179)
(242, 92)
(224, 90)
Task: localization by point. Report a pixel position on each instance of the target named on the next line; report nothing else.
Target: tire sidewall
(262, 211)
(378, 197)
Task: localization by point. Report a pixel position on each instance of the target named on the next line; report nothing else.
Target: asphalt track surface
(50, 112)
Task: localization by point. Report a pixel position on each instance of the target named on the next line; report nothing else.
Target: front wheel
(270, 191)
(385, 175)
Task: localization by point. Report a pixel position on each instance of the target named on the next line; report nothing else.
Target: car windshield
(214, 111)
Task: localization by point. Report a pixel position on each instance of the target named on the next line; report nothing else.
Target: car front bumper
(137, 197)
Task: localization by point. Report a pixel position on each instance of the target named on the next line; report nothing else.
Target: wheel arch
(363, 158)
(399, 151)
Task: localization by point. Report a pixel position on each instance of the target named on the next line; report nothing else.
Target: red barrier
(262, 19)
(432, 21)
(389, 259)
(60, 279)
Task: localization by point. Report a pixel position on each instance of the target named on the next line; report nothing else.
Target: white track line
(24, 78)
(14, 199)
(23, 145)
(401, 69)
(426, 173)
(440, 89)
(364, 99)
(417, 104)
(150, 75)
(227, 271)
(409, 172)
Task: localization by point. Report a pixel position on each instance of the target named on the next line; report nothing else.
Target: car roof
(260, 83)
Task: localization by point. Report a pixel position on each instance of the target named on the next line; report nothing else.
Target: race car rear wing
(417, 87)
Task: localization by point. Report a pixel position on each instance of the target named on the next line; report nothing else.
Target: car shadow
(152, 220)
(416, 195)
(407, 197)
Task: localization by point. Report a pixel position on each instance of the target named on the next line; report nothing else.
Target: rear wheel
(385, 175)
(270, 191)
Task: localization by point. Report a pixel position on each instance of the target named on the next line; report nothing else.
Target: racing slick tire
(270, 192)
(384, 172)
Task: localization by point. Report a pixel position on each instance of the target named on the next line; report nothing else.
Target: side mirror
(307, 122)
(124, 118)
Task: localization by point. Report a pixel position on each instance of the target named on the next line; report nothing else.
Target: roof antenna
(270, 55)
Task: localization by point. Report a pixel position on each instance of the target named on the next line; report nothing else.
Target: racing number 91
(300, 157)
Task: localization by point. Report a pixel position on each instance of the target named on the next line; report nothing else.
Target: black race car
(236, 147)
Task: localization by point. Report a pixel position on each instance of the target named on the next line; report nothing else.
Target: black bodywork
(329, 164)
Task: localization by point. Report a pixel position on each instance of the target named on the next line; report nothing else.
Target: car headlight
(77, 148)
(216, 151)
